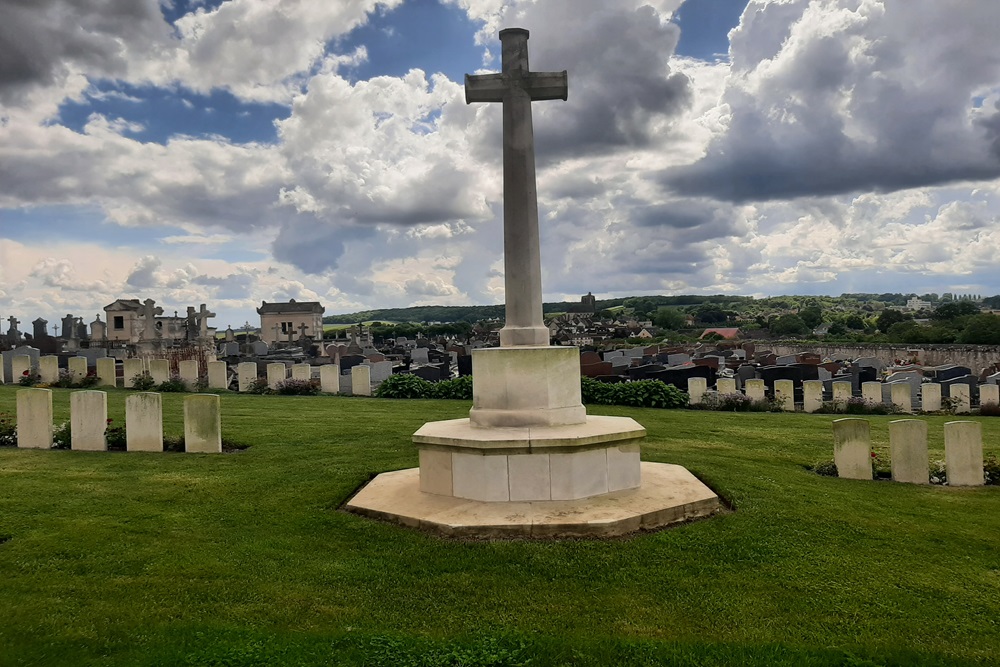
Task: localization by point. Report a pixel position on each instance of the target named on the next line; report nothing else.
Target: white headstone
(852, 449)
(725, 386)
(329, 378)
(188, 370)
(218, 375)
(202, 424)
(696, 390)
(381, 371)
(842, 391)
(812, 395)
(302, 372)
(755, 389)
(419, 355)
(247, 374)
(989, 394)
(131, 368)
(34, 418)
(77, 368)
(20, 366)
(88, 420)
(276, 373)
(159, 370)
(784, 393)
(902, 396)
(960, 392)
(930, 397)
(143, 422)
(872, 392)
(361, 381)
(48, 369)
(908, 451)
(107, 372)
(963, 453)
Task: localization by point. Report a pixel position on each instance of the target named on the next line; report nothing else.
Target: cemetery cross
(303, 327)
(203, 315)
(516, 87)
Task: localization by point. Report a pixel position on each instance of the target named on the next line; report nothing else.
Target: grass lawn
(244, 559)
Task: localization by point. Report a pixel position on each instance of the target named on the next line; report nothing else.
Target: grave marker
(48, 369)
(963, 453)
(77, 368)
(107, 372)
(218, 375)
(329, 379)
(908, 451)
(159, 370)
(852, 449)
(246, 374)
(34, 418)
(930, 397)
(784, 393)
(188, 371)
(902, 396)
(361, 381)
(202, 424)
(88, 420)
(960, 394)
(143, 422)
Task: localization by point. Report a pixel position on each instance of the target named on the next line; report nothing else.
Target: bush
(457, 388)
(89, 380)
(595, 392)
(989, 410)
(736, 402)
(405, 385)
(115, 436)
(173, 385)
(297, 387)
(258, 386)
(143, 381)
(825, 468)
(991, 470)
(61, 436)
(938, 474)
(28, 379)
(8, 431)
(65, 379)
(858, 406)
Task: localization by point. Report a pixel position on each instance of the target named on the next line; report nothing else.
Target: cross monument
(517, 87)
(203, 315)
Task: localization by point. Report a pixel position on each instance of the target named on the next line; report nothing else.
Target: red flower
(874, 455)
(25, 373)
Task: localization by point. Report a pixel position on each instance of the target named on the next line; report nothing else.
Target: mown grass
(244, 558)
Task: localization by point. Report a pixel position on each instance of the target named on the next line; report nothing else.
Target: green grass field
(244, 558)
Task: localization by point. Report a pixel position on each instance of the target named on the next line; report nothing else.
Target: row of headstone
(899, 394)
(143, 421)
(358, 382)
(106, 370)
(963, 451)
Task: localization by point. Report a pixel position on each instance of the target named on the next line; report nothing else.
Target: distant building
(124, 318)
(916, 304)
(588, 303)
(278, 320)
(727, 333)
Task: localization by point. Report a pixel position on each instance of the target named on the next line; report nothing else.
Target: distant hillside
(474, 314)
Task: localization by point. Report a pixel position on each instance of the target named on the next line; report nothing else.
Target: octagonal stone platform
(669, 494)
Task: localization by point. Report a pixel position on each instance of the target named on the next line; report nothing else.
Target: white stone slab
(77, 367)
(963, 404)
(144, 422)
(963, 453)
(623, 467)
(529, 477)
(479, 477)
(812, 395)
(989, 393)
(784, 392)
(725, 386)
(188, 371)
(755, 389)
(246, 374)
(202, 424)
(908, 451)
(902, 396)
(696, 390)
(302, 372)
(329, 379)
(852, 448)
(276, 373)
(218, 375)
(131, 368)
(872, 392)
(20, 366)
(159, 370)
(930, 397)
(361, 381)
(842, 391)
(107, 372)
(34, 418)
(579, 474)
(48, 369)
(435, 472)
(88, 420)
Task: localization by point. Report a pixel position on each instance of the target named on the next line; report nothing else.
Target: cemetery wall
(975, 357)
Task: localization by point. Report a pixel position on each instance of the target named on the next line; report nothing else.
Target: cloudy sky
(234, 151)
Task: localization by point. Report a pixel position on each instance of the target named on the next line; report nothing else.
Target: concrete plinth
(527, 386)
(529, 463)
(669, 494)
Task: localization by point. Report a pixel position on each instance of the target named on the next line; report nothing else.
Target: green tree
(888, 317)
(955, 309)
(668, 318)
(788, 325)
(981, 330)
(855, 322)
(812, 315)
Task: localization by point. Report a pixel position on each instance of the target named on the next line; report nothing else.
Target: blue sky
(233, 152)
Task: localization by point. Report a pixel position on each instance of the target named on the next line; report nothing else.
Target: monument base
(669, 494)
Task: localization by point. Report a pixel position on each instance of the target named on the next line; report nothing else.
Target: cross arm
(547, 85)
(484, 88)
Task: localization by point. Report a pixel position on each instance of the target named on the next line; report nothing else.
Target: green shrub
(991, 470)
(649, 394)
(28, 379)
(173, 385)
(88, 381)
(115, 436)
(404, 385)
(457, 388)
(143, 381)
(293, 387)
(62, 438)
(825, 468)
(8, 431)
(259, 386)
(596, 392)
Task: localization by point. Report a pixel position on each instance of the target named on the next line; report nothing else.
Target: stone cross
(516, 87)
(203, 316)
(149, 312)
(302, 330)
(13, 321)
(190, 323)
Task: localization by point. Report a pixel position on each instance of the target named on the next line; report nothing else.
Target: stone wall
(976, 357)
